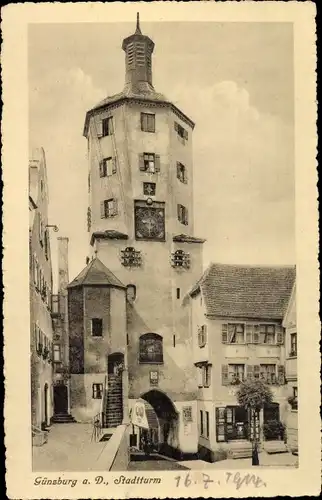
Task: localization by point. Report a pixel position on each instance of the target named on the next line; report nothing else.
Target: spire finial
(138, 29)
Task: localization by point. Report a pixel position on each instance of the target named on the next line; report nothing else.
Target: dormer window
(179, 258)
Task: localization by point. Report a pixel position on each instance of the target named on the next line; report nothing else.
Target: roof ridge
(254, 266)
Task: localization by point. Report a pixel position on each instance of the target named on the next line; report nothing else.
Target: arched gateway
(161, 425)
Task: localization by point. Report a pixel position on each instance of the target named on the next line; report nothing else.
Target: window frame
(107, 126)
(146, 185)
(235, 373)
(144, 357)
(263, 330)
(109, 211)
(56, 351)
(182, 173)
(93, 328)
(182, 214)
(97, 390)
(145, 122)
(230, 338)
(293, 345)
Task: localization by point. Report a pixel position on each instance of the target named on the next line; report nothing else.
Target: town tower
(141, 227)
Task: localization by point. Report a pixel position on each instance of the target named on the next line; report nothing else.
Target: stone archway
(167, 417)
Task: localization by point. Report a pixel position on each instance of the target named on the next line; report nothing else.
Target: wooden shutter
(176, 126)
(186, 219)
(185, 179)
(220, 425)
(115, 207)
(224, 333)
(102, 173)
(249, 372)
(208, 369)
(102, 208)
(281, 374)
(110, 125)
(179, 212)
(143, 122)
(224, 375)
(185, 134)
(157, 163)
(99, 128)
(114, 166)
(256, 334)
(249, 333)
(141, 162)
(279, 334)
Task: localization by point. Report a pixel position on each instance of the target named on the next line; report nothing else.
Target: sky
(235, 81)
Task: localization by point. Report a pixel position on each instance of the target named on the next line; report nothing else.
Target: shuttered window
(108, 208)
(224, 375)
(181, 132)
(147, 122)
(182, 214)
(105, 127)
(224, 333)
(107, 167)
(149, 162)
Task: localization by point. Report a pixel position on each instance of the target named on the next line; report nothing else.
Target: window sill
(151, 362)
(97, 336)
(148, 131)
(202, 345)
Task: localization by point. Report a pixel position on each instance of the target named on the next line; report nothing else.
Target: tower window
(182, 214)
(107, 126)
(149, 162)
(182, 133)
(182, 173)
(97, 391)
(147, 122)
(97, 327)
(149, 188)
(178, 293)
(179, 258)
(108, 208)
(107, 167)
(89, 219)
(131, 293)
(131, 257)
(151, 348)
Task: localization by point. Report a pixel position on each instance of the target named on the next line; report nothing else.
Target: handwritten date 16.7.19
(236, 479)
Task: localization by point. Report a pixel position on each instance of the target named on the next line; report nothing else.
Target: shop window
(151, 348)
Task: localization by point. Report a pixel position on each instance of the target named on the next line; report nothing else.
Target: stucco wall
(76, 329)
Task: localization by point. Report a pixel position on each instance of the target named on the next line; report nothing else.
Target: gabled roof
(246, 291)
(95, 273)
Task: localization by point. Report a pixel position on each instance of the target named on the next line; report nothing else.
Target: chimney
(63, 275)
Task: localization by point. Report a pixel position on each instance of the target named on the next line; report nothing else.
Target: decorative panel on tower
(149, 220)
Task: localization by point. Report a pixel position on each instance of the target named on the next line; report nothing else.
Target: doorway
(236, 423)
(60, 399)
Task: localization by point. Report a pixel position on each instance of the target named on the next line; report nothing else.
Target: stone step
(62, 418)
(272, 447)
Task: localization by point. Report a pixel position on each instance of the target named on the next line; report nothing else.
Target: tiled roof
(183, 238)
(95, 273)
(110, 234)
(246, 291)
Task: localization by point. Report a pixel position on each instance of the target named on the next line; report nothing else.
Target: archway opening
(165, 430)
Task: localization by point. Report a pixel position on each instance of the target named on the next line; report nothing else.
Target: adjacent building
(40, 284)
(290, 325)
(238, 334)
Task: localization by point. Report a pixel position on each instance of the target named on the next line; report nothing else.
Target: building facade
(40, 283)
(140, 223)
(290, 326)
(237, 314)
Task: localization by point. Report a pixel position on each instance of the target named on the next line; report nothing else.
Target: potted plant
(292, 400)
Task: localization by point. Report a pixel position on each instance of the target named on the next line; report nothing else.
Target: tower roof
(138, 86)
(95, 273)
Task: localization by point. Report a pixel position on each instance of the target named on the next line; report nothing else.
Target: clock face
(149, 223)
